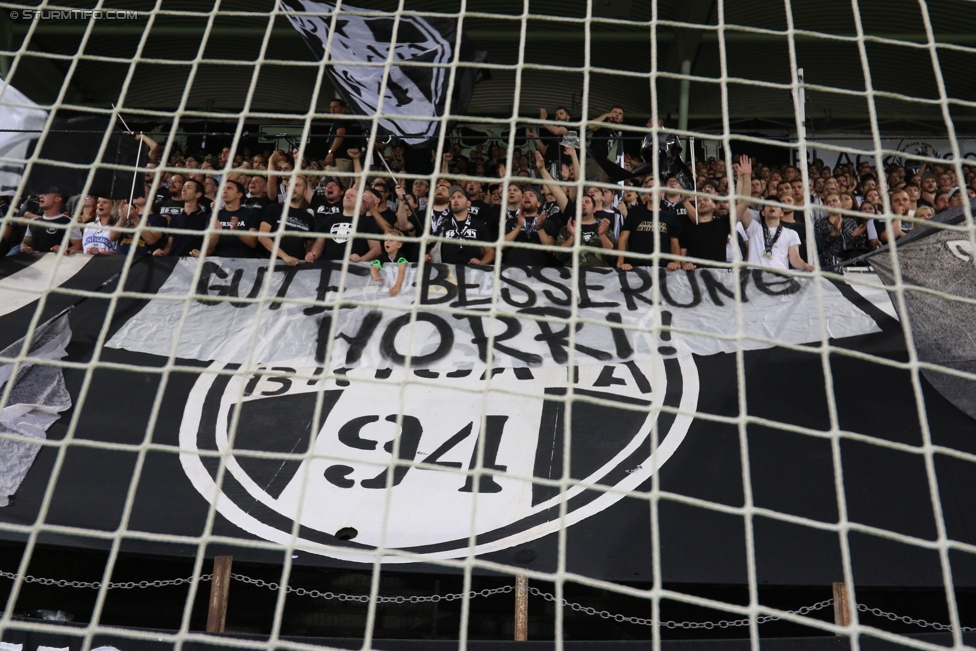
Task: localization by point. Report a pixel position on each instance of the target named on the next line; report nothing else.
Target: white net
(391, 336)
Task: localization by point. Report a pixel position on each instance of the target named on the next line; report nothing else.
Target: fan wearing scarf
(470, 232)
(771, 244)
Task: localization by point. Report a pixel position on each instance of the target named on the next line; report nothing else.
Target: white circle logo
(338, 484)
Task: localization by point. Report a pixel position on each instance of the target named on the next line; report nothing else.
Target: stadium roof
(754, 43)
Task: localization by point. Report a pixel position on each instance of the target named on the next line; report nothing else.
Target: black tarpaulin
(792, 473)
(78, 140)
(937, 267)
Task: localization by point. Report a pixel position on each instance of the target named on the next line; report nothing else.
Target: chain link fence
(914, 622)
(642, 621)
(125, 585)
(364, 598)
(487, 592)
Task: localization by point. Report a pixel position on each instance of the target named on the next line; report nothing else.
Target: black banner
(792, 474)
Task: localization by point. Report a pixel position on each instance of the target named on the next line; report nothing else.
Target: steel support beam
(683, 98)
(683, 48)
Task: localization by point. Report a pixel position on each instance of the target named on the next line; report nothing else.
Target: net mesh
(581, 73)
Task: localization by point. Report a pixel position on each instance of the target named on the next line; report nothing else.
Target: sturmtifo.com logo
(75, 14)
(343, 494)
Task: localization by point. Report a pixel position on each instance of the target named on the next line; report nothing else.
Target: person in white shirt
(733, 250)
(96, 236)
(771, 244)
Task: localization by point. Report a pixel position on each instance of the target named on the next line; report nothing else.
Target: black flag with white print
(414, 96)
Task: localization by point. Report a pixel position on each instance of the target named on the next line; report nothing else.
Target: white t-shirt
(731, 245)
(781, 250)
(96, 237)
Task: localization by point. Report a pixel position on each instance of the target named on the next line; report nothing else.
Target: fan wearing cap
(42, 235)
(467, 230)
(529, 224)
(956, 196)
(327, 201)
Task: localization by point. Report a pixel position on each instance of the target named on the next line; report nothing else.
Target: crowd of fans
(619, 226)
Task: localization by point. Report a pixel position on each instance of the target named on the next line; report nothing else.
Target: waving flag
(22, 120)
(943, 262)
(414, 95)
(69, 140)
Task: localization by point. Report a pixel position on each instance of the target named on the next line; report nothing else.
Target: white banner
(616, 316)
(909, 146)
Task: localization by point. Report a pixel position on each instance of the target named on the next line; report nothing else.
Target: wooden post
(842, 613)
(219, 589)
(521, 608)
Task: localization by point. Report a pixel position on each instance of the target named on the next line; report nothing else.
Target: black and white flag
(941, 261)
(75, 141)
(414, 95)
(22, 121)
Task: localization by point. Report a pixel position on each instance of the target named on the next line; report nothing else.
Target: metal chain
(125, 585)
(364, 598)
(908, 620)
(487, 592)
(643, 621)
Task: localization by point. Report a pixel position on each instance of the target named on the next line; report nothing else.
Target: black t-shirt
(351, 140)
(677, 208)
(10, 236)
(589, 233)
(256, 203)
(707, 240)
(195, 221)
(487, 214)
(437, 219)
(388, 216)
(44, 234)
(551, 208)
(604, 140)
(162, 194)
(468, 232)
(232, 246)
(143, 247)
(410, 250)
(801, 229)
(555, 151)
(324, 209)
(340, 228)
(611, 216)
(385, 258)
(560, 218)
(298, 220)
(168, 208)
(530, 234)
(640, 224)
